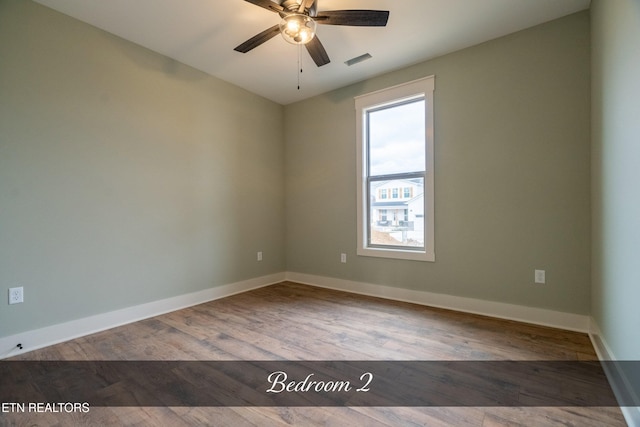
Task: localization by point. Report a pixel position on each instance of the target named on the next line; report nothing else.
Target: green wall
(616, 175)
(125, 177)
(512, 147)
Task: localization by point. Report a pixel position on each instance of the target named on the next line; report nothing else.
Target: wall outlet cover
(16, 295)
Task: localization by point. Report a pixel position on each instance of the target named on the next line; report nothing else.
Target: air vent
(357, 59)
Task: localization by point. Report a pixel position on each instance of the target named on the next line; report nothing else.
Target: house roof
(399, 204)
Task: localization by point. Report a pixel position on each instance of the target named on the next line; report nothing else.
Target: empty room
(320, 212)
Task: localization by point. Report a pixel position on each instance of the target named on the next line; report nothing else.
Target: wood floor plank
(290, 321)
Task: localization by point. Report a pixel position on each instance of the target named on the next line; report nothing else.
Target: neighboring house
(397, 208)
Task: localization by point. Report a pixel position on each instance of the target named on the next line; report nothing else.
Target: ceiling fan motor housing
(291, 5)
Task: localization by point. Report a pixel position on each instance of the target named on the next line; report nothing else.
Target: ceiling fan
(298, 25)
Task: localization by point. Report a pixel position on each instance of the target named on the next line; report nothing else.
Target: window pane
(396, 139)
(399, 221)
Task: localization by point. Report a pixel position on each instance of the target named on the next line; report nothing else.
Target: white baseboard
(619, 383)
(54, 334)
(537, 316)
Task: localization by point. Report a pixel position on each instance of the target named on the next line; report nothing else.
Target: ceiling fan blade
(258, 39)
(356, 18)
(317, 52)
(267, 4)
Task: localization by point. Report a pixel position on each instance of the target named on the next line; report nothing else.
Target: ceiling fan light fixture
(297, 28)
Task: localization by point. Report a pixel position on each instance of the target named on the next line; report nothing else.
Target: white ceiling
(203, 33)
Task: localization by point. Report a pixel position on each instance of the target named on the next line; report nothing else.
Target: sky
(396, 139)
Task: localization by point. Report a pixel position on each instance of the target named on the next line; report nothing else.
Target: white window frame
(418, 88)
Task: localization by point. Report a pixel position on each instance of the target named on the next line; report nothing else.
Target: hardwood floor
(290, 321)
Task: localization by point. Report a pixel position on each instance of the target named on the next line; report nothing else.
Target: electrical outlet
(540, 276)
(16, 295)
(260, 256)
(343, 258)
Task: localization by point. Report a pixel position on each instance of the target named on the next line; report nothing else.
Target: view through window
(396, 165)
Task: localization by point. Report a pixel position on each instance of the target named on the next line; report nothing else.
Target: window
(394, 130)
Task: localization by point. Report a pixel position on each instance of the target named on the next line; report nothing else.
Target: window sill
(397, 254)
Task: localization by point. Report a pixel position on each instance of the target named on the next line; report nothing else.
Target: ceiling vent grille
(357, 59)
